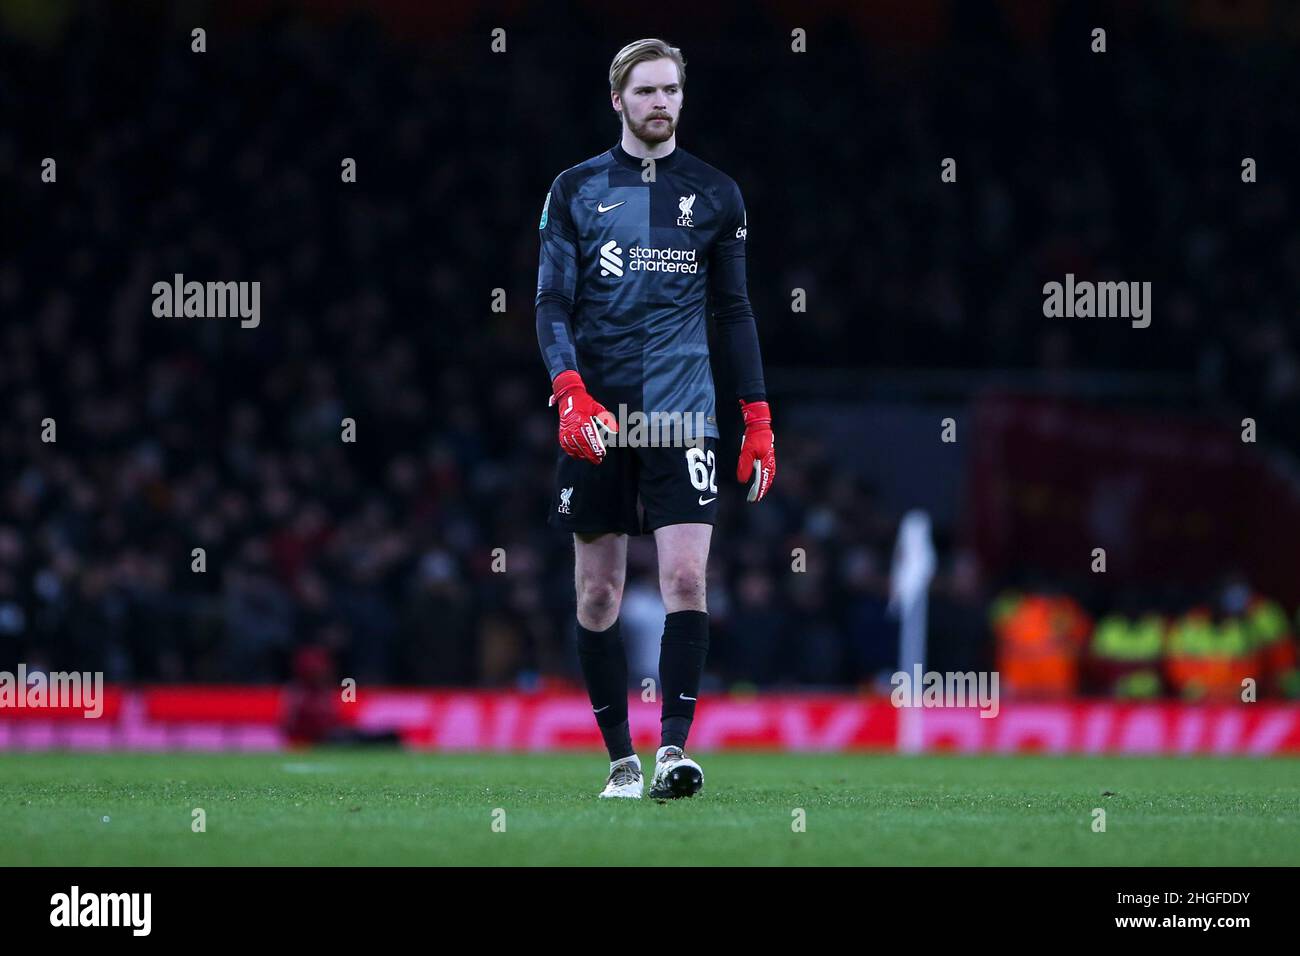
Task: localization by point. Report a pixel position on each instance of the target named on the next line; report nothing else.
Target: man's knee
(683, 585)
(599, 597)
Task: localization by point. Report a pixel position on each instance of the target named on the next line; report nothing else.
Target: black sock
(681, 662)
(604, 669)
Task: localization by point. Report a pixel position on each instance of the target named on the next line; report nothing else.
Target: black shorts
(636, 490)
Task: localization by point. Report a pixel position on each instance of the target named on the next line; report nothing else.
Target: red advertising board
(196, 718)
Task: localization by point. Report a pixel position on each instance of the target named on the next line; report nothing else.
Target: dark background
(924, 302)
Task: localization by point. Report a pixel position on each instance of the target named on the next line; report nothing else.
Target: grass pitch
(345, 807)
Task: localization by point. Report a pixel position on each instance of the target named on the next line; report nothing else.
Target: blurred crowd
(1239, 646)
(183, 434)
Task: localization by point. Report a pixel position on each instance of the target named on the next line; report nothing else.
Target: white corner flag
(909, 587)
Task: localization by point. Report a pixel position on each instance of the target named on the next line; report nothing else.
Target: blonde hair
(641, 51)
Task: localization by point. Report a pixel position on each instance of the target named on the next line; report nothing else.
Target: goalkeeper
(638, 246)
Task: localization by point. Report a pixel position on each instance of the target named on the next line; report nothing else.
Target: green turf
(347, 807)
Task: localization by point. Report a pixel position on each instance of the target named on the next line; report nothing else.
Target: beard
(652, 132)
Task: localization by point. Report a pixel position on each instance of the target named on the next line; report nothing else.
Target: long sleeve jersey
(629, 270)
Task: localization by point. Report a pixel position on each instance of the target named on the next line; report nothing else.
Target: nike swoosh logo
(606, 707)
(705, 501)
(601, 207)
(684, 697)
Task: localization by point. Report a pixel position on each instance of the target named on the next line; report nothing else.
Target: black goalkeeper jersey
(629, 270)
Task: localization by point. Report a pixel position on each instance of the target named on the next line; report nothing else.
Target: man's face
(651, 100)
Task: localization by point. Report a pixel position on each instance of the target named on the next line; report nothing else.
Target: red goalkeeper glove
(581, 418)
(756, 455)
